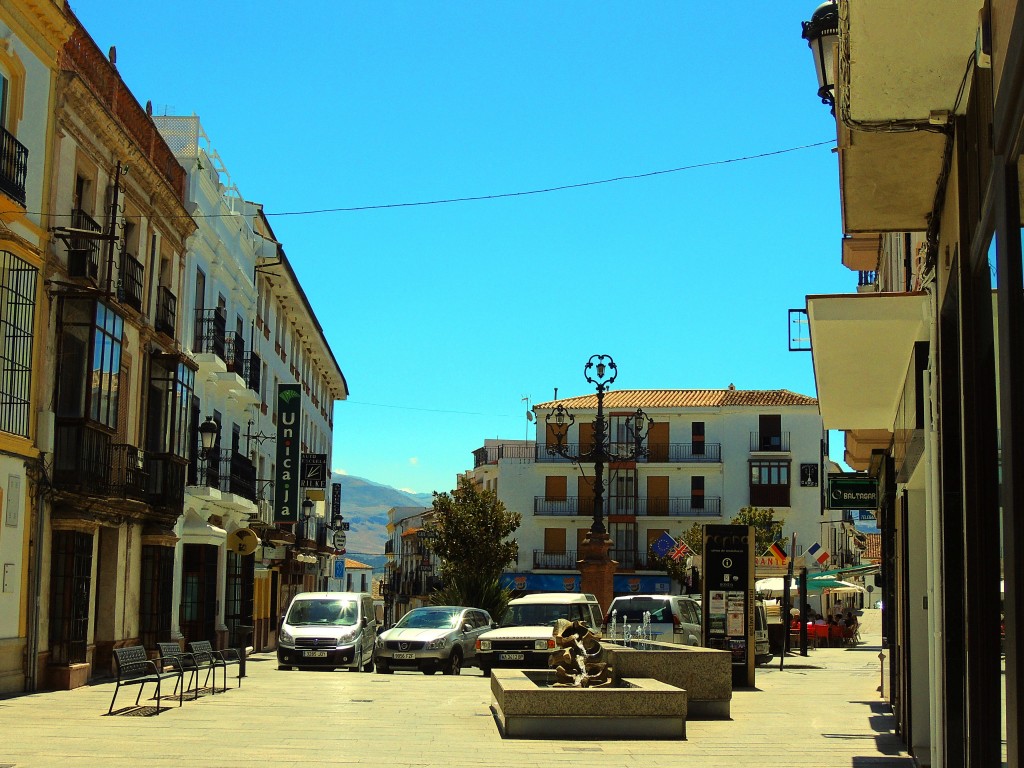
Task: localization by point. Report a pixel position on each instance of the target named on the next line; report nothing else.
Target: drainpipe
(933, 530)
(35, 609)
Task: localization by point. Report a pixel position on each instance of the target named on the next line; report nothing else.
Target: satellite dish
(529, 415)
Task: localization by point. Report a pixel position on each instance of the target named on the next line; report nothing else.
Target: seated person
(851, 620)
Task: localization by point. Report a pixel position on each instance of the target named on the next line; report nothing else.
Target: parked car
(525, 638)
(432, 638)
(328, 630)
(674, 618)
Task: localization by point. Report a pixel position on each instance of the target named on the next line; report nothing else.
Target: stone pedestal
(597, 569)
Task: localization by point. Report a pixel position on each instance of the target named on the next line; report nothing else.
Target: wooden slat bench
(134, 667)
(206, 657)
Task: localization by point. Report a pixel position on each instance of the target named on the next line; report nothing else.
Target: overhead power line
(502, 195)
(544, 190)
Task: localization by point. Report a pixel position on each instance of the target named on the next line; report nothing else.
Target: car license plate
(405, 656)
(511, 656)
(315, 654)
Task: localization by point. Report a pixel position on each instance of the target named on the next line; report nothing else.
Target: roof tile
(685, 398)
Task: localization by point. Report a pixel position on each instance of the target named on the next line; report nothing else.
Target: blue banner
(537, 582)
(629, 584)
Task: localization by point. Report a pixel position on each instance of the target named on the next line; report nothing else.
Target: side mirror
(366, 622)
(466, 627)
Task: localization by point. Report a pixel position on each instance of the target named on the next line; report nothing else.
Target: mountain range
(365, 505)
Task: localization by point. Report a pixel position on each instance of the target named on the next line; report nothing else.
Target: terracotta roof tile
(874, 548)
(685, 398)
(355, 564)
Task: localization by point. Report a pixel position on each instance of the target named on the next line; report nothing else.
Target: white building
(709, 454)
(249, 327)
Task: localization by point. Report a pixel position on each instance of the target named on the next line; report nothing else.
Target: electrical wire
(494, 196)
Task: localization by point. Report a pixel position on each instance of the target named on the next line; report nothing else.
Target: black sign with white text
(288, 408)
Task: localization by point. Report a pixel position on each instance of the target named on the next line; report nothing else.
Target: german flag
(776, 551)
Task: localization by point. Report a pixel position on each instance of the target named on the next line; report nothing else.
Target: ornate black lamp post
(601, 371)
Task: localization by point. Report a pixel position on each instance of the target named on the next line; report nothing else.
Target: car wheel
(368, 666)
(284, 666)
(485, 671)
(382, 669)
(429, 671)
(454, 665)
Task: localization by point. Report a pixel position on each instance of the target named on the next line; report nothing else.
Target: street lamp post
(597, 569)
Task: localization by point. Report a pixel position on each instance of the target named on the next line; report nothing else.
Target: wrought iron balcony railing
(668, 453)
(672, 506)
(234, 352)
(225, 470)
(84, 251)
(86, 460)
(13, 167)
(166, 480)
(130, 281)
(210, 332)
(560, 561)
(769, 441)
(252, 371)
(166, 310)
(492, 453)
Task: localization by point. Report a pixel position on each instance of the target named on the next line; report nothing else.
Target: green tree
(767, 530)
(470, 535)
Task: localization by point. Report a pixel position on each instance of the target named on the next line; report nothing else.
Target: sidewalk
(823, 710)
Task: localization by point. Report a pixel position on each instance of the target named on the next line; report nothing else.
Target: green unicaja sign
(289, 452)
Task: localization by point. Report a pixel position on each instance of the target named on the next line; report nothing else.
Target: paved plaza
(823, 710)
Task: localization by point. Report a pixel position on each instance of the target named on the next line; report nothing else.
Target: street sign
(340, 540)
(344, 526)
(852, 491)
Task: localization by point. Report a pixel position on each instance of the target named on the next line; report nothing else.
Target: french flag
(817, 553)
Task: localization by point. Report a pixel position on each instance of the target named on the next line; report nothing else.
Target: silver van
(328, 630)
(674, 618)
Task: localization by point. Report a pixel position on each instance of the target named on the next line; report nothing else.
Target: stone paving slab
(824, 710)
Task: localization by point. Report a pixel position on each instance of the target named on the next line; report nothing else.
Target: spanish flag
(776, 551)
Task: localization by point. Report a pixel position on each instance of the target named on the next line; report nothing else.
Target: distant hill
(365, 506)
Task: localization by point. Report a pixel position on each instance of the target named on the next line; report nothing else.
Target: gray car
(441, 637)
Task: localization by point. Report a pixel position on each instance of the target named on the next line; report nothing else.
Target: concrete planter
(526, 707)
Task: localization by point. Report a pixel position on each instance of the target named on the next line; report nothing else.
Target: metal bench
(171, 654)
(134, 667)
(206, 657)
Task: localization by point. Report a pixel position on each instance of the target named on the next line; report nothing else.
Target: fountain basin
(526, 706)
(704, 673)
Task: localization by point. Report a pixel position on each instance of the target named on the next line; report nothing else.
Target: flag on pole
(817, 553)
(663, 545)
(776, 551)
(680, 551)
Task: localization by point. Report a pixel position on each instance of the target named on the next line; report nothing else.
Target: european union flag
(663, 545)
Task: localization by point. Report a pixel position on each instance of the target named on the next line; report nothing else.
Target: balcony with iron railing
(631, 559)
(771, 442)
(86, 460)
(556, 561)
(657, 453)
(166, 311)
(13, 167)
(491, 454)
(234, 351)
(252, 367)
(210, 335)
(83, 250)
(224, 470)
(672, 506)
(130, 281)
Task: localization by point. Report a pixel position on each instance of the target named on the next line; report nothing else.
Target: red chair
(835, 635)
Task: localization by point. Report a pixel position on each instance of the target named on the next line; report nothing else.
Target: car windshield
(429, 618)
(539, 614)
(341, 613)
(632, 609)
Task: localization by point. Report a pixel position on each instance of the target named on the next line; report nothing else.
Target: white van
(673, 618)
(328, 630)
(525, 638)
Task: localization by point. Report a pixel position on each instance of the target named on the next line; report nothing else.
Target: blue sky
(443, 317)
